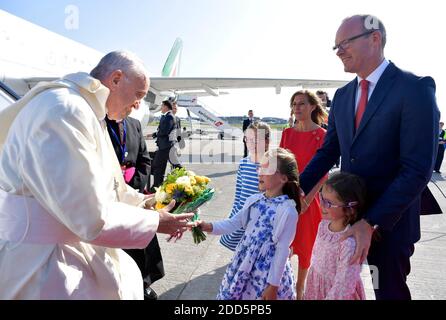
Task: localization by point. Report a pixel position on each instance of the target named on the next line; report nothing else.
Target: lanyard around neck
(116, 136)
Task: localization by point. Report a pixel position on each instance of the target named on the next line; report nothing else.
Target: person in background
(440, 153)
(246, 124)
(257, 137)
(131, 150)
(326, 104)
(291, 119)
(176, 137)
(164, 143)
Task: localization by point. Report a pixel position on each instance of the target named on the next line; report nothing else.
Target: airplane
(31, 53)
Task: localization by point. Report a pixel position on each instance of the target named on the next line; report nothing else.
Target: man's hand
(304, 204)
(362, 232)
(270, 293)
(174, 224)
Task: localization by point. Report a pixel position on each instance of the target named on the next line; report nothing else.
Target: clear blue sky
(247, 38)
(147, 28)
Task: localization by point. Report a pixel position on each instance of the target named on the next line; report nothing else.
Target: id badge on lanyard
(121, 139)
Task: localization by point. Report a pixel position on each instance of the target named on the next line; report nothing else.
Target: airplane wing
(212, 86)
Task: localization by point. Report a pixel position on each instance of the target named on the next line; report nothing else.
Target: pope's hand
(174, 224)
(149, 201)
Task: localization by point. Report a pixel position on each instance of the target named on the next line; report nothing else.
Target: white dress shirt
(373, 80)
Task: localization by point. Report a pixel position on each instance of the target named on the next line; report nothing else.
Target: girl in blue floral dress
(260, 268)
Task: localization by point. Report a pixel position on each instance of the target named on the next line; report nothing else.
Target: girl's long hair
(287, 165)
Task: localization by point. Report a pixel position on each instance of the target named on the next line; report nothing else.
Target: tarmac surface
(194, 272)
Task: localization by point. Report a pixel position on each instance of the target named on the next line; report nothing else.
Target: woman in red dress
(304, 139)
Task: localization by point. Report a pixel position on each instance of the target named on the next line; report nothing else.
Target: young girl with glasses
(257, 137)
(260, 268)
(331, 276)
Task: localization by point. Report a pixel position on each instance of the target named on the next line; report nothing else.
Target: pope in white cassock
(64, 206)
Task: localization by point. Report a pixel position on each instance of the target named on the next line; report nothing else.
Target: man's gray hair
(125, 61)
(370, 22)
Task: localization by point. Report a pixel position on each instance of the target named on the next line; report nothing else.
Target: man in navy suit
(246, 124)
(386, 130)
(165, 127)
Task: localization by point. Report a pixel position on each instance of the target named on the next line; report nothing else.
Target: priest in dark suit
(130, 148)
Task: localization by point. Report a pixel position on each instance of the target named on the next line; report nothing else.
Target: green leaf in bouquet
(198, 235)
(192, 206)
(175, 174)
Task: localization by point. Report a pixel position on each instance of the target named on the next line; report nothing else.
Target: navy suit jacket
(393, 149)
(246, 124)
(166, 125)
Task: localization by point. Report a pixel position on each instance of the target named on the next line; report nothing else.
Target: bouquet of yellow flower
(189, 191)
